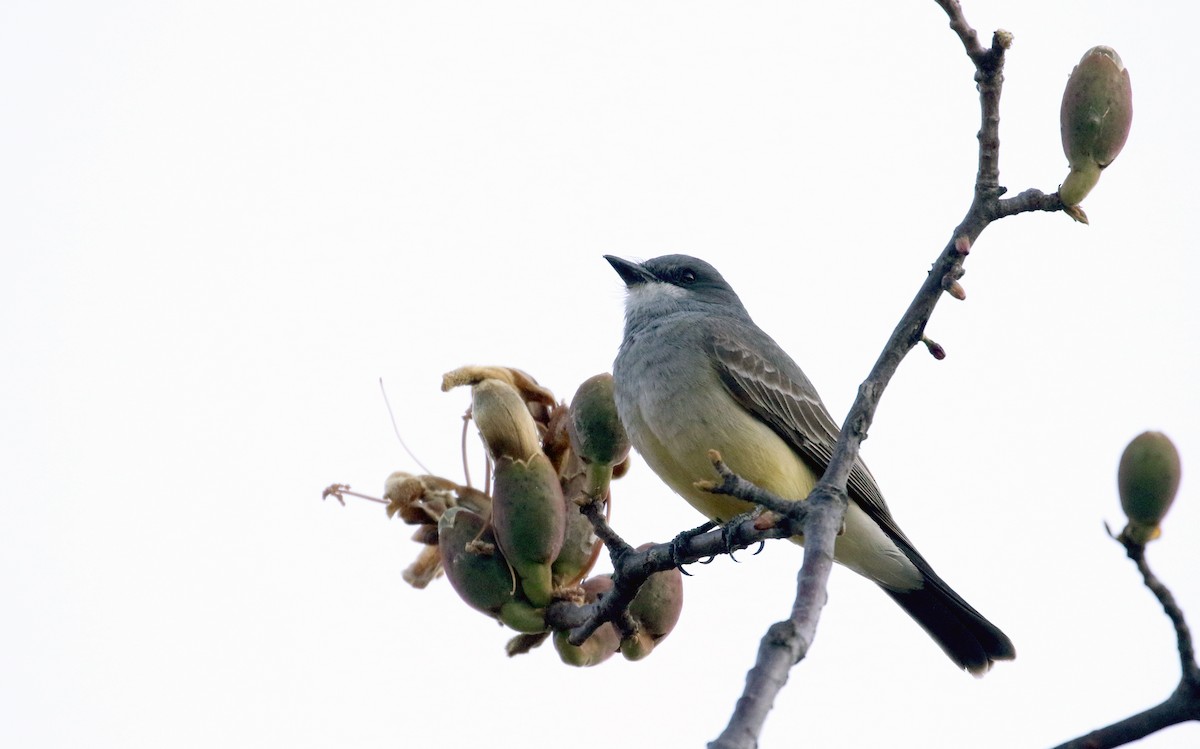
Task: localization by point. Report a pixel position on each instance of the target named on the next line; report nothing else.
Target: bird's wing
(777, 392)
(767, 383)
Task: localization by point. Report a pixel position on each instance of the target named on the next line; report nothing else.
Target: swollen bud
(478, 571)
(595, 650)
(601, 645)
(597, 435)
(656, 609)
(1096, 114)
(529, 520)
(595, 428)
(1147, 479)
(580, 547)
(504, 421)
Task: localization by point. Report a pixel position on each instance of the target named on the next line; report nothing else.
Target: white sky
(221, 222)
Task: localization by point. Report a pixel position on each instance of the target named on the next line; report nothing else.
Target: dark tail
(970, 640)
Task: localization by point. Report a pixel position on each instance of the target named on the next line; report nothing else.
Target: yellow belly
(756, 453)
(748, 447)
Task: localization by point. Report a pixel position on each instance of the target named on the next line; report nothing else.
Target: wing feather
(784, 399)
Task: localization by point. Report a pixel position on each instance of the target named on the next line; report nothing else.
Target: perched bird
(695, 373)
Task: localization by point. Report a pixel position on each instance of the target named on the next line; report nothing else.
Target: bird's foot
(681, 540)
(728, 529)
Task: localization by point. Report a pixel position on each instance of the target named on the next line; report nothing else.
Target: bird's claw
(682, 539)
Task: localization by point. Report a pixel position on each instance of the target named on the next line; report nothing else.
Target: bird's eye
(687, 276)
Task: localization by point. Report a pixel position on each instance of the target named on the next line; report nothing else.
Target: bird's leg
(682, 539)
(770, 509)
(729, 528)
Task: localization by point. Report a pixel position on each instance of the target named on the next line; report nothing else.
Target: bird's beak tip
(630, 272)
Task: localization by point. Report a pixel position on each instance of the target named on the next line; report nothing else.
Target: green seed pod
(638, 645)
(1095, 118)
(481, 579)
(595, 650)
(604, 641)
(596, 431)
(529, 521)
(580, 547)
(597, 435)
(1147, 479)
(656, 609)
(523, 617)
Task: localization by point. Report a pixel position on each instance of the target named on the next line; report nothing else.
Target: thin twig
(631, 567)
(1183, 635)
(1183, 704)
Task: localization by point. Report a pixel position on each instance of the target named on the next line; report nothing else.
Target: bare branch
(1183, 704)
(1183, 635)
(631, 567)
(965, 33)
(786, 642)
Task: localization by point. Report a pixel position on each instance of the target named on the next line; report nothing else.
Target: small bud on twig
(953, 288)
(935, 348)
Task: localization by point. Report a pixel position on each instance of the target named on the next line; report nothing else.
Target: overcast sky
(223, 222)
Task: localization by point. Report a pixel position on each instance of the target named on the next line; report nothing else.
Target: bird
(695, 373)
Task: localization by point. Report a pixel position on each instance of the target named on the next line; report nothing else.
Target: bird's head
(673, 284)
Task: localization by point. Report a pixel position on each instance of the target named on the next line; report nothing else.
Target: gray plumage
(695, 373)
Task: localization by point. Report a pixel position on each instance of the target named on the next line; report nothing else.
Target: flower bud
(481, 579)
(597, 435)
(479, 573)
(529, 521)
(656, 609)
(596, 431)
(601, 645)
(595, 650)
(504, 421)
(1095, 118)
(1147, 479)
(580, 547)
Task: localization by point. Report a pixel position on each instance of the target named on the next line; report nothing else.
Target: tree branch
(786, 642)
(1183, 704)
(631, 567)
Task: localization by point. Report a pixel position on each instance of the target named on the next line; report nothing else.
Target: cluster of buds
(521, 543)
(1147, 479)
(1096, 114)
(653, 614)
